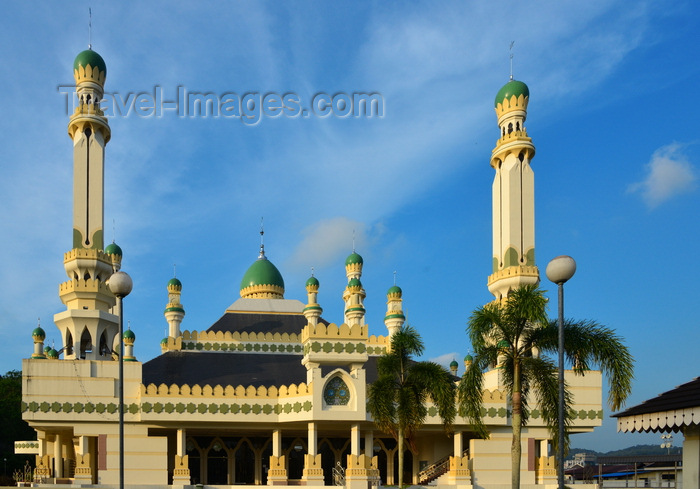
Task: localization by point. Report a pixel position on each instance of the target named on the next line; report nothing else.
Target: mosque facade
(272, 393)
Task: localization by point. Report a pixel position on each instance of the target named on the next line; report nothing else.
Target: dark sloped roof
(202, 368)
(246, 322)
(684, 396)
(231, 368)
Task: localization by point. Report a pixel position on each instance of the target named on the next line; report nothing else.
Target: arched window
(336, 392)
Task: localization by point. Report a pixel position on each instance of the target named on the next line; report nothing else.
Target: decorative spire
(353, 241)
(262, 241)
(394, 277)
(511, 60)
(90, 29)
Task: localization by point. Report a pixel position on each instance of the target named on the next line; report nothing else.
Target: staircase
(432, 472)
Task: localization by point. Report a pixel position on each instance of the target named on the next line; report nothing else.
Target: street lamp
(120, 284)
(559, 270)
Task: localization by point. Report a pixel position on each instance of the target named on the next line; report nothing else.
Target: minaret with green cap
(89, 325)
(354, 293)
(394, 318)
(174, 312)
(513, 194)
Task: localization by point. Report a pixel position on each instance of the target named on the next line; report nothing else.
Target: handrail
(436, 469)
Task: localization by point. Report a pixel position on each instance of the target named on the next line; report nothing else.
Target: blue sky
(611, 116)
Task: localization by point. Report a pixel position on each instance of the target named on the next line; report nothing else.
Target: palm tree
(397, 399)
(515, 334)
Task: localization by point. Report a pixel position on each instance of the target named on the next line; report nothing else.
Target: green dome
(394, 289)
(313, 281)
(52, 353)
(164, 341)
(511, 88)
(354, 282)
(113, 249)
(454, 364)
(468, 358)
(47, 349)
(129, 335)
(262, 272)
(353, 259)
(174, 282)
(90, 57)
(39, 333)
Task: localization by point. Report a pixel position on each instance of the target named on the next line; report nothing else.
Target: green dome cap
(262, 272)
(174, 282)
(354, 282)
(353, 259)
(52, 353)
(113, 249)
(90, 57)
(313, 281)
(164, 341)
(129, 335)
(454, 364)
(38, 333)
(511, 88)
(394, 289)
(468, 358)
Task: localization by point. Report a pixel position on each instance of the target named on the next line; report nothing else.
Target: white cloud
(669, 174)
(325, 241)
(446, 359)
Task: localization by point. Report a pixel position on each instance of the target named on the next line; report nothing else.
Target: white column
(458, 444)
(276, 443)
(180, 440)
(58, 456)
(355, 439)
(369, 443)
(312, 439)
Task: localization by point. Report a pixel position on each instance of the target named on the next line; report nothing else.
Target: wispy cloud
(445, 359)
(668, 174)
(327, 240)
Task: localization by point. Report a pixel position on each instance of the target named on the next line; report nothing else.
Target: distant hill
(625, 452)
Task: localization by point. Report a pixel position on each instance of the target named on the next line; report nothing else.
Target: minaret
(312, 311)
(174, 312)
(513, 195)
(394, 318)
(353, 271)
(88, 326)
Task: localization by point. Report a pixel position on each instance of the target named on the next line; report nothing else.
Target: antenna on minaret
(394, 277)
(262, 241)
(90, 29)
(353, 241)
(511, 60)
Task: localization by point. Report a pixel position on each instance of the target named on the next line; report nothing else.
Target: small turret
(468, 360)
(174, 312)
(355, 310)
(38, 335)
(453, 367)
(115, 254)
(312, 311)
(394, 318)
(129, 339)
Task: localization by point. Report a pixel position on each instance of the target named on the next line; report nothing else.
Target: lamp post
(120, 284)
(559, 270)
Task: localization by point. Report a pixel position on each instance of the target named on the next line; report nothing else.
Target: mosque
(272, 393)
